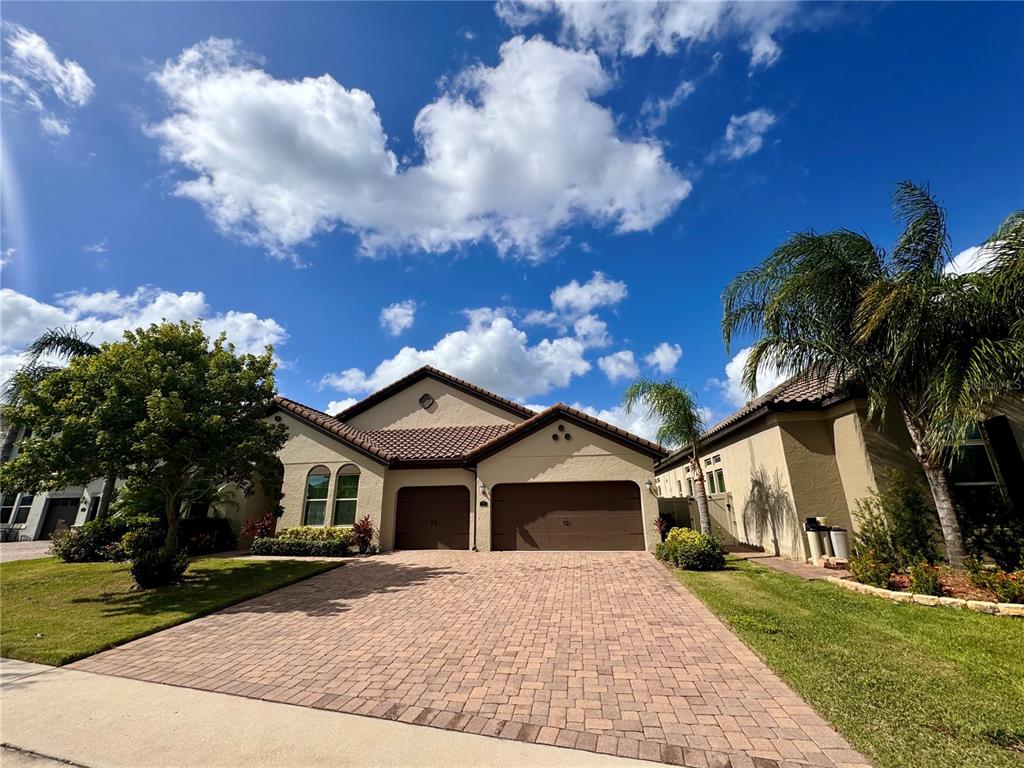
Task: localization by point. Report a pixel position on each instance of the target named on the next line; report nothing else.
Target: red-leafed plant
(363, 531)
(662, 525)
(260, 527)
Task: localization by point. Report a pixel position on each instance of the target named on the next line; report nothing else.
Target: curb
(1013, 610)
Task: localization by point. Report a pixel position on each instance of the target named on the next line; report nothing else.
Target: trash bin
(840, 542)
(813, 529)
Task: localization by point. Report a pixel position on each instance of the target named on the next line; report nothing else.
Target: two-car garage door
(567, 516)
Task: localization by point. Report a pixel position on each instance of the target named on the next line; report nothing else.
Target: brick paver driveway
(591, 650)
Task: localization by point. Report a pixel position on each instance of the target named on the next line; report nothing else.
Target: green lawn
(55, 613)
(908, 686)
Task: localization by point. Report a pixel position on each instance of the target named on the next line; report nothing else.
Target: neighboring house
(438, 463)
(807, 449)
(26, 516)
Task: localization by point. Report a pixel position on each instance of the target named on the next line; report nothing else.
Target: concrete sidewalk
(98, 721)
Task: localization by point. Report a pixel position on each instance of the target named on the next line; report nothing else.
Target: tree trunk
(700, 493)
(938, 482)
(106, 496)
(171, 513)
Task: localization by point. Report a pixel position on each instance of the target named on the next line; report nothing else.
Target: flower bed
(981, 606)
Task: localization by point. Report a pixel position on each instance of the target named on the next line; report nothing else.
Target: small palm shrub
(692, 551)
(923, 579)
(867, 568)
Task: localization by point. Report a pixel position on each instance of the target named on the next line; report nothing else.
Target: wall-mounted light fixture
(650, 486)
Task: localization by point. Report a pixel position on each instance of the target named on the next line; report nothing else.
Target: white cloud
(398, 317)
(619, 365)
(491, 352)
(977, 258)
(100, 246)
(337, 406)
(591, 331)
(655, 111)
(634, 28)
(33, 77)
(575, 298)
(105, 316)
(664, 357)
(744, 135)
(512, 154)
(731, 386)
(639, 422)
(7, 255)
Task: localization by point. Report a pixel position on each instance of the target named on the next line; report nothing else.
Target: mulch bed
(954, 584)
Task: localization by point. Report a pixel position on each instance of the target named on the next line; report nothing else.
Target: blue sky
(545, 199)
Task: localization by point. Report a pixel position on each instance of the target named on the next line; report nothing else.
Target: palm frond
(923, 247)
(61, 343)
(675, 407)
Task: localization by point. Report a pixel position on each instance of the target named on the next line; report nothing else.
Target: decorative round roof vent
(426, 401)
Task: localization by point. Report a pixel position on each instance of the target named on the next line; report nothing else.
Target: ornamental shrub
(297, 547)
(692, 551)
(896, 524)
(1008, 587)
(924, 579)
(363, 532)
(158, 568)
(318, 533)
(97, 540)
(142, 541)
(867, 568)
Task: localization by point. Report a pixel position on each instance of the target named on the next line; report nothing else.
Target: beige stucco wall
(758, 507)
(401, 478)
(307, 448)
(451, 408)
(587, 457)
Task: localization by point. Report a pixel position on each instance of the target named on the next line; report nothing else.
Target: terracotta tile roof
(798, 391)
(428, 370)
(435, 442)
(561, 409)
(332, 425)
(451, 443)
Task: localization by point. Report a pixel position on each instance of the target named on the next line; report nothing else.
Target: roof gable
(561, 411)
(492, 406)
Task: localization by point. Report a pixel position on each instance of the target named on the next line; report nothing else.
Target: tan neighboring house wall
(307, 448)
(587, 457)
(451, 408)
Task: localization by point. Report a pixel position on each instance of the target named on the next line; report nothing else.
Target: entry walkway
(803, 570)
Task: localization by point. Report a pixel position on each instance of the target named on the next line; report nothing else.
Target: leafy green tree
(907, 329)
(681, 424)
(59, 343)
(166, 407)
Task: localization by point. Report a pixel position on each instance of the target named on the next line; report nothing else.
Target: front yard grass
(907, 685)
(56, 613)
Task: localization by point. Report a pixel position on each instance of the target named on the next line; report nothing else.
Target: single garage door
(567, 516)
(59, 516)
(432, 517)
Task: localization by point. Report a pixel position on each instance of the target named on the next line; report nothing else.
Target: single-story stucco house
(806, 448)
(439, 463)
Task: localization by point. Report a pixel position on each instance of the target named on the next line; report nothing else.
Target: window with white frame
(24, 507)
(971, 464)
(315, 503)
(346, 492)
(7, 502)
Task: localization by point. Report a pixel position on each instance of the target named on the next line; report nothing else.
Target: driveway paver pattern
(590, 650)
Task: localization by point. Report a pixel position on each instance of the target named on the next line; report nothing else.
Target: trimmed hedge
(692, 551)
(306, 541)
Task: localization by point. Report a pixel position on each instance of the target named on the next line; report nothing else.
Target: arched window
(346, 490)
(316, 496)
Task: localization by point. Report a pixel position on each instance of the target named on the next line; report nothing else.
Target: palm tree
(907, 330)
(682, 424)
(61, 344)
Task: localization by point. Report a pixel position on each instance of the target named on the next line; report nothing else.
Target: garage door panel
(567, 516)
(432, 517)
